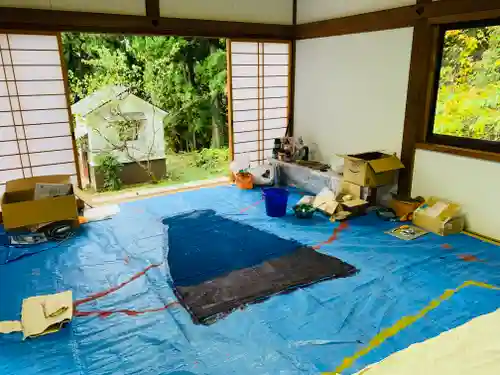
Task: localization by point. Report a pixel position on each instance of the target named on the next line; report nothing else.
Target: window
(35, 132)
(127, 125)
(259, 97)
(467, 89)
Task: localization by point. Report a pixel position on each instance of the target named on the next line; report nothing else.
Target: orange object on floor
(244, 181)
(469, 258)
(403, 208)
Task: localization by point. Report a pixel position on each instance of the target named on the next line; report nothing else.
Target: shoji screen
(35, 132)
(259, 96)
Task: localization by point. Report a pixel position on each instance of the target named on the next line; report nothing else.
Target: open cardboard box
(439, 216)
(371, 169)
(20, 210)
(345, 203)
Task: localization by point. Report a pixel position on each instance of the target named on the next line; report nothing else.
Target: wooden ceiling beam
(434, 12)
(54, 20)
(375, 21)
(450, 11)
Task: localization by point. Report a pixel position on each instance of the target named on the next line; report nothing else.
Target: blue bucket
(276, 201)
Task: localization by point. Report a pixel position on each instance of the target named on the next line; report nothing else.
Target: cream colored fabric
(46, 314)
(10, 326)
(471, 349)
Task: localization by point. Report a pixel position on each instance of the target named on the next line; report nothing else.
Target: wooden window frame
(464, 146)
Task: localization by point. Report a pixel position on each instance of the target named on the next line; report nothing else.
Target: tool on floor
(407, 232)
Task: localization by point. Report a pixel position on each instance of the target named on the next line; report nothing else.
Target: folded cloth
(42, 315)
(54, 307)
(10, 326)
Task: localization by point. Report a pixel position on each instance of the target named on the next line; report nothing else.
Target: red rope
(254, 204)
(343, 225)
(95, 296)
(106, 313)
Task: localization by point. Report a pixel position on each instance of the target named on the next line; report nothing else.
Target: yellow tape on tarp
(403, 323)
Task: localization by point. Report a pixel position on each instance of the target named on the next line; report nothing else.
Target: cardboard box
(371, 169)
(347, 188)
(439, 216)
(21, 210)
(356, 207)
(343, 204)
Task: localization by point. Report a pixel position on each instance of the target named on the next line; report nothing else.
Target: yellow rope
(403, 323)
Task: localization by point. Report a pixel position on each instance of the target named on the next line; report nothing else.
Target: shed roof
(98, 98)
(103, 96)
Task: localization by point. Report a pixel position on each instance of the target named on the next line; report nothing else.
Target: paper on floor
(101, 212)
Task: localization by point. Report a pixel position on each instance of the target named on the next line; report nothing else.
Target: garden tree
(469, 90)
(212, 75)
(185, 77)
(95, 60)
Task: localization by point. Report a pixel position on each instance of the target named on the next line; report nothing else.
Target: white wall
(350, 93)
(130, 7)
(471, 182)
(318, 10)
(150, 143)
(259, 11)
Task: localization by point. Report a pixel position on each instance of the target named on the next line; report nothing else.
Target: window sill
(467, 152)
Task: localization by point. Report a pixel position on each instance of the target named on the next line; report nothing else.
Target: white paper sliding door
(259, 95)
(35, 131)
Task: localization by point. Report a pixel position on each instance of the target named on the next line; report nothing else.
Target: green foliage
(211, 158)
(469, 90)
(110, 168)
(186, 77)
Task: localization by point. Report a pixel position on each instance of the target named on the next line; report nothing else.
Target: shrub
(211, 158)
(110, 168)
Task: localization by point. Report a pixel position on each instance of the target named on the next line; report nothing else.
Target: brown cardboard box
(350, 189)
(439, 216)
(356, 206)
(371, 168)
(343, 204)
(20, 210)
(349, 196)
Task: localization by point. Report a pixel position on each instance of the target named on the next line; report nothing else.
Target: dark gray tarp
(212, 299)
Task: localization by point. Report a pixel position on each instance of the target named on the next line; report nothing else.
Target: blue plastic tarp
(305, 332)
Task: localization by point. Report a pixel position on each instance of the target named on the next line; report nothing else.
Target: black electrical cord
(59, 231)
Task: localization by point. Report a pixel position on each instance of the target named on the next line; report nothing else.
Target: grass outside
(187, 167)
(191, 166)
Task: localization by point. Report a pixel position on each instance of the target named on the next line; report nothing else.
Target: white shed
(112, 120)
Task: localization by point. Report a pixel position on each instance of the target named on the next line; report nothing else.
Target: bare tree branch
(125, 146)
